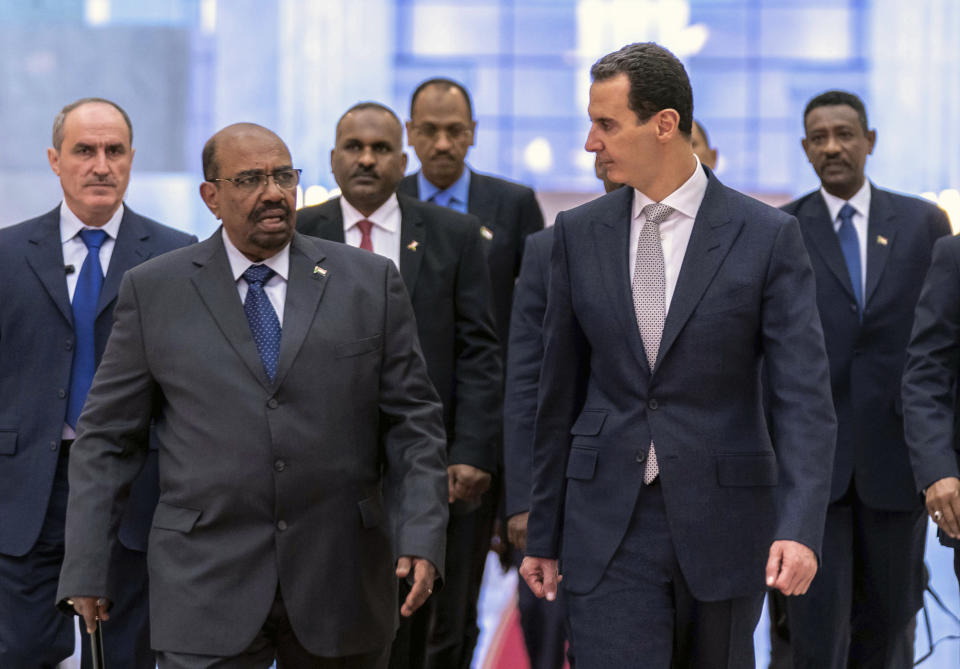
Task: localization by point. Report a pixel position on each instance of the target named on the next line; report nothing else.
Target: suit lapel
(815, 219)
(132, 248)
(413, 234)
(714, 231)
(330, 225)
(305, 287)
(881, 230)
(44, 253)
(214, 282)
(612, 238)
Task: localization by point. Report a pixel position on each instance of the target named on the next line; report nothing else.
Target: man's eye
(247, 180)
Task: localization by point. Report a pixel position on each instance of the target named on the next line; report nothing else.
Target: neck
(844, 192)
(445, 185)
(675, 168)
(94, 218)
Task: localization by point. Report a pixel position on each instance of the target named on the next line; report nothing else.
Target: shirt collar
(71, 225)
(459, 190)
(279, 262)
(860, 201)
(382, 218)
(685, 200)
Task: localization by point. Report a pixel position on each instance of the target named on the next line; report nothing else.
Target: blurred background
(185, 68)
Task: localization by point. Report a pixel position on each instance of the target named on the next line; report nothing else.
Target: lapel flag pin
(881, 240)
(319, 271)
(413, 245)
(486, 232)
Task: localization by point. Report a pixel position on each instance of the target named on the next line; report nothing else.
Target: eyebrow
(257, 172)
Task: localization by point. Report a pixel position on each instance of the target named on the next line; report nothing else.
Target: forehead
(251, 150)
(608, 98)
(829, 116)
(95, 121)
(439, 102)
(370, 125)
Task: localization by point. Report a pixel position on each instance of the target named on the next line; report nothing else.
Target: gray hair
(61, 118)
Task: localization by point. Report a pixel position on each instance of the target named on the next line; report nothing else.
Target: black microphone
(69, 269)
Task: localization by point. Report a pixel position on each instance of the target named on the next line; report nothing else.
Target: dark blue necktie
(263, 320)
(85, 298)
(850, 246)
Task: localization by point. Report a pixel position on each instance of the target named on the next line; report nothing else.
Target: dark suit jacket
(509, 211)
(36, 355)
(301, 482)
(523, 370)
(446, 277)
(745, 293)
(867, 358)
(930, 398)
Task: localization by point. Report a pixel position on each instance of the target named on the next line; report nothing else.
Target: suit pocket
(747, 469)
(359, 347)
(371, 512)
(733, 299)
(8, 442)
(589, 423)
(582, 463)
(177, 518)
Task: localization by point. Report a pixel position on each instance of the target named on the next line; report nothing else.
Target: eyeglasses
(454, 132)
(286, 179)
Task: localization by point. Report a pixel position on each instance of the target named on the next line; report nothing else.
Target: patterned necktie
(850, 245)
(263, 320)
(649, 299)
(366, 241)
(85, 298)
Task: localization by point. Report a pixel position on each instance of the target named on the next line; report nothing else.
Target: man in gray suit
(301, 444)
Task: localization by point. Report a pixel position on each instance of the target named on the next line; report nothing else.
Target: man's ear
(668, 124)
(53, 157)
(403, 161)
(409, 126)
(209, 192)
(473, 133)
(872, 138)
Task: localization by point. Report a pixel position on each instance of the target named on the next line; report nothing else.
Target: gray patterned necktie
(649, 299)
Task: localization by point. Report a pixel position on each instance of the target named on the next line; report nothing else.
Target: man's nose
(366, 157)
(443, 142)
(592, 144)
(100, 164)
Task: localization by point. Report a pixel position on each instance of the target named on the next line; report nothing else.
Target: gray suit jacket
(301, 482)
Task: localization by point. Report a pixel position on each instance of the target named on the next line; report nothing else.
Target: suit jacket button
(279, 465)
(853, 307)
(273, 403)
(281, 525)
(53, 445)
(641, 456)
(61, 393)
(68, 345)
(652, 404)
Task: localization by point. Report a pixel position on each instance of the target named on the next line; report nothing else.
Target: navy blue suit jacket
(523, 369)
(867, 357)
(745, 294)
(36, 354)
(931, 404)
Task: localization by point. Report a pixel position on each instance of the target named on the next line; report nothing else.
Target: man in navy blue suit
(49, 346)
(870, 250)
(656, 478)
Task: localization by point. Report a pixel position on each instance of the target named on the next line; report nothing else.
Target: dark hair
(830, 98)
(61, 118)
(657, 81)
(446, 84)
(360, 106)
(703, 131)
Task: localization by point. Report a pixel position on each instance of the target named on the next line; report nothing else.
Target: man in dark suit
(930, 399)
(49, 349)
(441, 131)
(300, 439)
(441, 259)
(870, 250)
(656, 478)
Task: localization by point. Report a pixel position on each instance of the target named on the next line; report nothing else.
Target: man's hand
(466, 482)
(791, 567)
(541, 576)
(424, 574)
(943, 505)
(92, 609)
(517, 530)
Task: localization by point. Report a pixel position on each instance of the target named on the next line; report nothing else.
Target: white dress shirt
(675, 230)
(75, 250)
(861, 220)
(275, 287)
(385, 232)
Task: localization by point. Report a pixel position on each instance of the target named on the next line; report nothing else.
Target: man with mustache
(60, 273)
(300, 439)
(441, 131)
(870, 249)
(441, 259)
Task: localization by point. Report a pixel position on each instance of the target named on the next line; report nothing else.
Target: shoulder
(503, 187)
(442, 220)
(28, 229)
(541, 241)
(905, 203)
(165, 235)
(310, 216)
(408, 184)
(793, 207)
